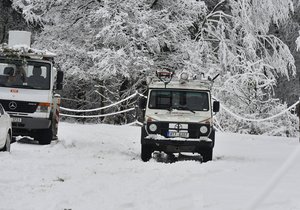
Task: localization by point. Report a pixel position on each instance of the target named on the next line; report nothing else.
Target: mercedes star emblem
(12, 105)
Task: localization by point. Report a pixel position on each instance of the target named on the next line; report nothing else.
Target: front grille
(19, 106)
(18, 125)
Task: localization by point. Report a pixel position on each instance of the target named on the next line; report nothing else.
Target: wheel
(44, 136)
(6, 147)
(146, 153)
(212, 137)
(207, 155)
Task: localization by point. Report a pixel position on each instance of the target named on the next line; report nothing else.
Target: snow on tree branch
(298, 42)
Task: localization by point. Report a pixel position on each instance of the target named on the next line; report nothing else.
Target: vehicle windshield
(29, 75)
(179, 99)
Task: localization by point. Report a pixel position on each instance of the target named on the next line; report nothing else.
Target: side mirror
(59, 86)
(216, 106)
(142, 103)
(59, 80)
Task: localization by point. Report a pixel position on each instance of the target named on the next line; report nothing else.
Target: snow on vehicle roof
(24, 51)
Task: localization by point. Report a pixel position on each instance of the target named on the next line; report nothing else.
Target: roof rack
(183, 79)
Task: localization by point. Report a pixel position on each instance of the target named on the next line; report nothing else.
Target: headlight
(203, 129)
(152, 127)
(43, 107)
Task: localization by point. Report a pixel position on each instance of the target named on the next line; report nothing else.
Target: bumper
(22, 124)
(173, 146)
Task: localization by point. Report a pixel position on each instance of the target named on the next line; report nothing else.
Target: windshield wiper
(170, 108)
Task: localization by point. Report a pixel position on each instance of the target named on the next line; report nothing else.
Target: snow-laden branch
(298, 42)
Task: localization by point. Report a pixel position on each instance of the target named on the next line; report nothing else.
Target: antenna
(215, 77)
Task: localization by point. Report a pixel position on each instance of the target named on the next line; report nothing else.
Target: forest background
(107, 48)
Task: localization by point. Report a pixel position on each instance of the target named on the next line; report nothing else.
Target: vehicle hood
(19, 94)
(180, 116)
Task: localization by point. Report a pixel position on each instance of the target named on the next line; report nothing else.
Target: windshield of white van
(179, 99)
(29, 75)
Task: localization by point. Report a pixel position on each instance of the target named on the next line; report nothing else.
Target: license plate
(16, 119)
(178, 134)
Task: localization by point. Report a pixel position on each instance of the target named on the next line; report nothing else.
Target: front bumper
(23, 124)
(194, 144)
(173, 146)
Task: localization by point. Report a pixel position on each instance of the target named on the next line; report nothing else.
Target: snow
(99, 167)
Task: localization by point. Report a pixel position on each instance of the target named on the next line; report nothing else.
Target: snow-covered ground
(99, 167)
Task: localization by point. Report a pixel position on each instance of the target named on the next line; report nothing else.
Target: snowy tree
(114, 44)
(262, 59)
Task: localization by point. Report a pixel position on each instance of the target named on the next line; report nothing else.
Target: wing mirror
(59, 80)
(216, 106)
(142, 103)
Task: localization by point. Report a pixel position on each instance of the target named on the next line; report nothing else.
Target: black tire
(212, 137)
(146, 153)
(6, 147)
(44, 136)
(143, 133)
(207, 155)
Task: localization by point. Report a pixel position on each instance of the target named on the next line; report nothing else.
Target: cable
(134, 122)
(100, 108)
(218, 125)
(258, 120)
(69, 99)
(94, 116)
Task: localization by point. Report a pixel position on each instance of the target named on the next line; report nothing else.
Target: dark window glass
(178, 99)
(30, 74)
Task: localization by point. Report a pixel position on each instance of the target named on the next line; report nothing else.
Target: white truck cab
(178, 116)
(28, 81)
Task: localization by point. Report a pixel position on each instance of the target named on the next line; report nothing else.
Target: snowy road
(98, 167)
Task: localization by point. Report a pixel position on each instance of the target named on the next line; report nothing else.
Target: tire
(143, 134)
(212, 137)
(6, 147)
(146, 153)
(207, 155)
(44, 136)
